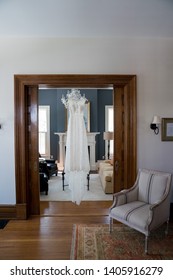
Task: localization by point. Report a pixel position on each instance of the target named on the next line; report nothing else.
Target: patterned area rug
(94, 242)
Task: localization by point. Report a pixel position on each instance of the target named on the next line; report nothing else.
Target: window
(109, 126)
(44, 131)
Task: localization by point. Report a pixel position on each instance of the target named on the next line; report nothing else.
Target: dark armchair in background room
(48, 166)
(44, 174)
(52, 167)
(44, 186)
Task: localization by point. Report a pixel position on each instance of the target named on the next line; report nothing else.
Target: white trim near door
(44, 130)
(109, 126)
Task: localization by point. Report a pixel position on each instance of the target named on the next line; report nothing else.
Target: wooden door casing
(124, 143)
(33, 168)
(124, 86)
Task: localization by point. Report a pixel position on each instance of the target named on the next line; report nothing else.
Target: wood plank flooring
(49, 236)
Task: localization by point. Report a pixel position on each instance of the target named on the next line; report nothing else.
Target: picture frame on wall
(167, 129)
(86, 116)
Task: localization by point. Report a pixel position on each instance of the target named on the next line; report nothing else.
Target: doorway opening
(55, 128)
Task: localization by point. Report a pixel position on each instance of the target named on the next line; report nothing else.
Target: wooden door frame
(124, 83)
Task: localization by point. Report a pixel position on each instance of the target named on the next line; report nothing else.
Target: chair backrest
(153, 185)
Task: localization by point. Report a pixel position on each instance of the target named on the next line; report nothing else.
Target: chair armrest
(50, 160)
(132, 194)
(119, 198)
(159, 213)
(107, 161)
(125, 196)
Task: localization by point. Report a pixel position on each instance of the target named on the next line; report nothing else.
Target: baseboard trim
(17, 211)
(21, 212)
(7, 211)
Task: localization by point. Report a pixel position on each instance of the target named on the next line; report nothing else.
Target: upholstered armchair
(44, 186)
(146, 205)
(48, 166)
(52, 167)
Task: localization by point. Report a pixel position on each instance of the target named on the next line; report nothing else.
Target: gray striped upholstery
(151, 187)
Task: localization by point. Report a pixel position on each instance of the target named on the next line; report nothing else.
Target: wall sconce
(155, 124)
(108, 136)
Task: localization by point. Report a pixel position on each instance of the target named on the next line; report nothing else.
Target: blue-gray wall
(98, 98)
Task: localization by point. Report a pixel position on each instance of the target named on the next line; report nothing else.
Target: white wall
(150, 59)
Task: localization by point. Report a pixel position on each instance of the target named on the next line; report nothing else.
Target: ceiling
(86, 18)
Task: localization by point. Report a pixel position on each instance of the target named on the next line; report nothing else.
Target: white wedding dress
(77, 159)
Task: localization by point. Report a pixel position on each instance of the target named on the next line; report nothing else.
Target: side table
(63, 180)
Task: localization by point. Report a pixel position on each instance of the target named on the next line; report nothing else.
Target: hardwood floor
(49, 236)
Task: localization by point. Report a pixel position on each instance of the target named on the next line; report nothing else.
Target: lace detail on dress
(77, 159)
(73, 97)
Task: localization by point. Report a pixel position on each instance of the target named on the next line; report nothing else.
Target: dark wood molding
(22, 83)
(7, 211)
(21, 212)
(74, 80)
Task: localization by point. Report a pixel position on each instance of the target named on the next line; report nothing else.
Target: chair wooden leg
(88, 181)
(63, 173)
(110, 225)
(146, 244)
